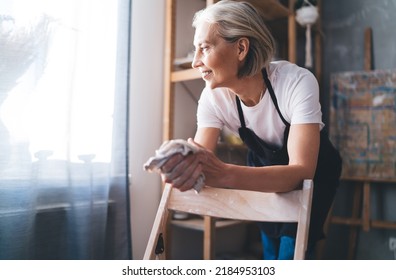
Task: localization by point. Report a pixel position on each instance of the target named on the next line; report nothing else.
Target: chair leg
(159, 227)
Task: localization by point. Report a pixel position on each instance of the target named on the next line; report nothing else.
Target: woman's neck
(250, 90)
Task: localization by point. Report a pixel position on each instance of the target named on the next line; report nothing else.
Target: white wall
(146, 101)
(146, 90)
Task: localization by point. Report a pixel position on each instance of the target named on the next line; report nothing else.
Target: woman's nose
(196, 60)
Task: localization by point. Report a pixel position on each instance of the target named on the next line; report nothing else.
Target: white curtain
(63, 129)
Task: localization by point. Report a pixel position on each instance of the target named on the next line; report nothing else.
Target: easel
(361, 210)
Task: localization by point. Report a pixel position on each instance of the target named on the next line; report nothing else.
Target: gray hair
(235, 20)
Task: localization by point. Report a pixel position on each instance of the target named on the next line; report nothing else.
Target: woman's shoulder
(218, 97)
(285, 71)
(285, 67)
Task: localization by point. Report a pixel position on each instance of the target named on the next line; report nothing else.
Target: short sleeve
(304, 102)
(206, 112)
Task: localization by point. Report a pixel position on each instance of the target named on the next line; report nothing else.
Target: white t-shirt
(296, 90)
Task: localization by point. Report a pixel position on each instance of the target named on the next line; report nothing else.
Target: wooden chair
(294, 206)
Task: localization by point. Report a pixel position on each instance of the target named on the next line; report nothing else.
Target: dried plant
(20, 46)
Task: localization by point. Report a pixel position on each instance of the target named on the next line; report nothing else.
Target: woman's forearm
(280, 178)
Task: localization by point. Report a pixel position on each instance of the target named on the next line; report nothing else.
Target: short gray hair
(235, 20)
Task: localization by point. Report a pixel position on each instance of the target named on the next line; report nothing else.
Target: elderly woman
(272, 105)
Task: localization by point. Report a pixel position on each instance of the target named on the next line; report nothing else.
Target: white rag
(166, 150)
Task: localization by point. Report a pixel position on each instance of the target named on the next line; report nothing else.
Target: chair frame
(293, 206)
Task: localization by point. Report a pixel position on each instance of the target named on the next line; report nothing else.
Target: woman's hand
(213, 168)
(183, 171)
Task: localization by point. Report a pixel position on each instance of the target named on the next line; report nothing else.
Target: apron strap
(273, 97)
(240, 112)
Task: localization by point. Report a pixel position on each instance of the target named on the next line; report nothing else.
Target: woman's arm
(207, 137)
(303, 148)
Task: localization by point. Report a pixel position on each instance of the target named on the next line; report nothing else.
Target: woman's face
(216, 59)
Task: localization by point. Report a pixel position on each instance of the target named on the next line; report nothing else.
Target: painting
(363, 122)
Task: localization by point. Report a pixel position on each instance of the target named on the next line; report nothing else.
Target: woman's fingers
(170, 164)
(189, 177)
(182, 172)
(177, 167)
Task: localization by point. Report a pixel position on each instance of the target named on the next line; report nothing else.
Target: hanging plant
(306, 15)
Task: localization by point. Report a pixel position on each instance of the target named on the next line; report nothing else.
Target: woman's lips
(205, 74)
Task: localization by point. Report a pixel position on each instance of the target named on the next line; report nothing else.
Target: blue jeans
(281, 248)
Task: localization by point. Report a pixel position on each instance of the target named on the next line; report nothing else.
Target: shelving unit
(272, 10)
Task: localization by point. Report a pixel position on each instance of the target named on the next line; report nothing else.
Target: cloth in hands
(168, 149)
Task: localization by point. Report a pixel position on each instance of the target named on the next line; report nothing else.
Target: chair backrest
(294, 206)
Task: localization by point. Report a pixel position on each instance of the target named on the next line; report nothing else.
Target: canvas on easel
(363, 122)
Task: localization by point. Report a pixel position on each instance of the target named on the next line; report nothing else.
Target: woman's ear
(243, 47)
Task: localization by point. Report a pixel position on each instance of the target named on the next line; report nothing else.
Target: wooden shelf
(185, 75)
(198, 223)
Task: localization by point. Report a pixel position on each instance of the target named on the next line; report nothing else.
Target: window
(63, 127)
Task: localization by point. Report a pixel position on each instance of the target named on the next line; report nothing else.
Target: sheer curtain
(63, 129)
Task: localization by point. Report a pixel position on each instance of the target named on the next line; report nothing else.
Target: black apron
(326, 179)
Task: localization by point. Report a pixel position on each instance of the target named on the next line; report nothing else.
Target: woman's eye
(201, 49)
